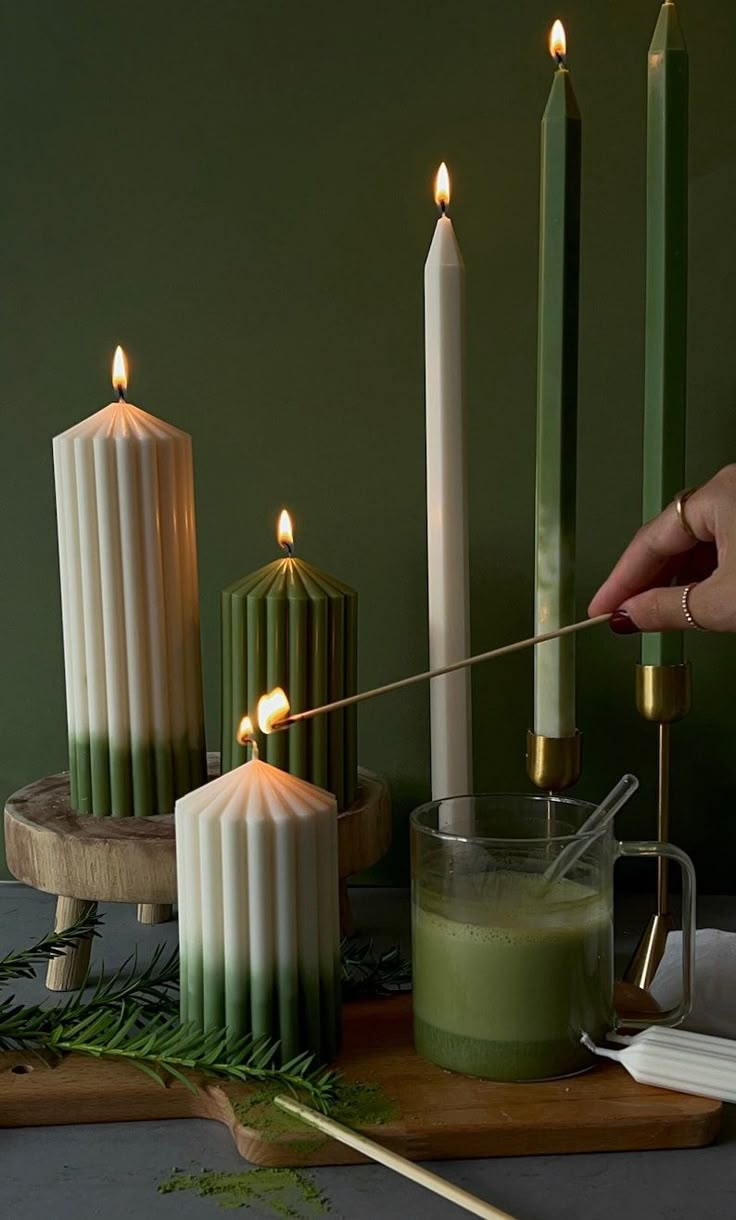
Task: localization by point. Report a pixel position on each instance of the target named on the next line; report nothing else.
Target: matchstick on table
(392, 1160)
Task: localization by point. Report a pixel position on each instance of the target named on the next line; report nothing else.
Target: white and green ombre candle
(557, 392)
(259, 928)
(130, 608)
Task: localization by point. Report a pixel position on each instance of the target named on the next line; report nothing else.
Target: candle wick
(121, 394)
(443, 207)
(288, 548)
(561, 61)
(246, 741)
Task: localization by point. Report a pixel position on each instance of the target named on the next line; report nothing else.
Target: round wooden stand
(85, 860)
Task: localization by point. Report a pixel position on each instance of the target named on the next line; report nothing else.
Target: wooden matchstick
(392, 1160)
(437, 673)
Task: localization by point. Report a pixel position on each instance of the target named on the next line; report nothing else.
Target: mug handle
(672, 1016)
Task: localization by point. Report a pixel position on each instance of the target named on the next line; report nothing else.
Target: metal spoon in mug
(598, 821)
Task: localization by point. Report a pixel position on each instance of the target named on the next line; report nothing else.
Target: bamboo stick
(517, 646)
(392, 1160)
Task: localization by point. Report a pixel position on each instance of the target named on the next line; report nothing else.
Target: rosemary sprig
(154, 989)
(22, 963)
(164, 1049)
(152, 993)
(133, 1017)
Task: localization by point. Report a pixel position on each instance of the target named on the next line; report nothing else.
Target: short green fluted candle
(666, 291)
(557, 395)
(290, 625)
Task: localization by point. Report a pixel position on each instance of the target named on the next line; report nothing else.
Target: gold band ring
(686, 607)
(681, 500)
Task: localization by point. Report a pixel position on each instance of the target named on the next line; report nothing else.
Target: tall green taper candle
(290, 625)
(666, 295)
(557, 394)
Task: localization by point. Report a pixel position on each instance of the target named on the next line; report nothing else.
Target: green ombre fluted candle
(666, 292)
(292, 626)
(130, 609)
(259, 928)
(557, 394)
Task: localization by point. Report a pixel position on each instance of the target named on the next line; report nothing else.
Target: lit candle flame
(558, 41)
(245, 735)
(442, 187)
(285, 532)
(119, 370)
(272, 709)
(245, 731)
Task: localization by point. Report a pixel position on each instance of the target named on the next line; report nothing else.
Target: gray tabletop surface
(112, 1170)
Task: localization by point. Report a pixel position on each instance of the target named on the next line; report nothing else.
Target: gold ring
(685, 603)
(681, 500)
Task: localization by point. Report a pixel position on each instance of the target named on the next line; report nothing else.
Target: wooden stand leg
(154, 912)
(66, 972)
(346, 915)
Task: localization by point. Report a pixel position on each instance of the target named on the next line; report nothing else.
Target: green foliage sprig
(165, 1049)
(22, 964)
(367, 973)
(133, 1017)
(150, 992)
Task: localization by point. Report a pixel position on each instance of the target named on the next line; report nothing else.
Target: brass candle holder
(663, 696)
(554, 763)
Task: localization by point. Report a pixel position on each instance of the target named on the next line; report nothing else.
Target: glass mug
(509, 969)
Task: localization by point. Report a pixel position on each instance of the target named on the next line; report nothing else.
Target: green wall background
(240, 194)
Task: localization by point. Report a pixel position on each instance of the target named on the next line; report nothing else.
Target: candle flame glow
(285, 532)
(558, 41)
(442, 186)
(119, 369)
(245, 731)
(272, 708)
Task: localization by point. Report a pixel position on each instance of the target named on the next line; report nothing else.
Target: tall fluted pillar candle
(130, 609)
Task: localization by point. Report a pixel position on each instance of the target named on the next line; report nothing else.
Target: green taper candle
(557, 395)
(292, 626)
(666, 294)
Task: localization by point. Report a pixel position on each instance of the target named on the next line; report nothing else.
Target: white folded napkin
(714, 1005)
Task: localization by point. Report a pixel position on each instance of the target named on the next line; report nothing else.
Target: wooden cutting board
(438, 1115)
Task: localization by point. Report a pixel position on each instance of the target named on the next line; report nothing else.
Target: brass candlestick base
(649, 952)
(663, 696)
(554, 763)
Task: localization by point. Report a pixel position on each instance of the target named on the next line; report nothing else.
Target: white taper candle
(447, 508)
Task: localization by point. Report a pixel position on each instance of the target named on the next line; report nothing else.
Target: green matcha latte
(505, 982)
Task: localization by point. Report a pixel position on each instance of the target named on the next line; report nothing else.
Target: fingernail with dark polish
(622, 623)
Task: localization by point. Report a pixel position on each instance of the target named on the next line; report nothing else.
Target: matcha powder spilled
(277, 1192)
(354, 1103)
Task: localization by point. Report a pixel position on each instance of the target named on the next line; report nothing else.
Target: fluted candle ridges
(290, 625)
(130, 608)
(259, 932)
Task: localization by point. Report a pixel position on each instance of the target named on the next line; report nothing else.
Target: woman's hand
(639, 590)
